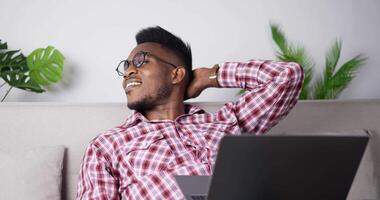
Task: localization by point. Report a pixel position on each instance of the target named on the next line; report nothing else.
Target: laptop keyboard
(198, 197)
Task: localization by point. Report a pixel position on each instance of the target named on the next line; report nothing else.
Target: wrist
(213, 76)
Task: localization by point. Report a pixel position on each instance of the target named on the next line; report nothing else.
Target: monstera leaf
(41, 67)
(13, 70)
(45, 65)
(22, 81)
(11, 60)
(3, 46)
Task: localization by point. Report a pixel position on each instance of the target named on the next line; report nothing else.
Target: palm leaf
(46, 65)
(323, 86)
(299, 55)
(289, 53)
(345, 74)
(332, 58)
(333, 83)
(320, 89)
(279, 37)
(305, 91)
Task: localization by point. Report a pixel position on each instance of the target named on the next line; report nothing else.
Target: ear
(178, 75)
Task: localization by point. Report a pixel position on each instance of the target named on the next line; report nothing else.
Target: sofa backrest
(309, 117)
(26, 125)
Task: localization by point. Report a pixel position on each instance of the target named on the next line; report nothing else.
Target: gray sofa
(27, 125)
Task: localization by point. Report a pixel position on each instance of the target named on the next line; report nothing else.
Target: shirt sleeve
(272, 89)
(96, 179)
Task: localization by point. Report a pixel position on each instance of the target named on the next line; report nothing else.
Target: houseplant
(40, 68)
(333, 80)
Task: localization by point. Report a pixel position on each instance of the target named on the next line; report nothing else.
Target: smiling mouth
(130, 86)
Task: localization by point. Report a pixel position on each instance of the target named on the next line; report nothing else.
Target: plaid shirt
(139, 159)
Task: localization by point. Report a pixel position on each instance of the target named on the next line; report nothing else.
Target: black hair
(169, 41)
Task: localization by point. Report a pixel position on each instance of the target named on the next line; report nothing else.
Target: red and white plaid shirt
(139, 159)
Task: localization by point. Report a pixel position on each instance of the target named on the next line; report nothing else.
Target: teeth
(133, 84)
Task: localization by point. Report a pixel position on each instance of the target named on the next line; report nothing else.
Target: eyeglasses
(138, 61)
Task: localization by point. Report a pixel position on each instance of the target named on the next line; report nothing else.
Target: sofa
(70, 126)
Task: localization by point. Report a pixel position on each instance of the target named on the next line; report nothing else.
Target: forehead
(150, 47)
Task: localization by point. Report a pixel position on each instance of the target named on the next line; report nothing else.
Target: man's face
(149, 85)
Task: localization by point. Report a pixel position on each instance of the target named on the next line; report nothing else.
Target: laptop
(280, 167)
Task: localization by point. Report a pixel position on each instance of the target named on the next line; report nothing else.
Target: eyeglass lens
(138, 60)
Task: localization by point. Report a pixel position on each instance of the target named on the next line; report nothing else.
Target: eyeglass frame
(145, 54)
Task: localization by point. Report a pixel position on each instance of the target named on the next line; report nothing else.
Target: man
(165, 137)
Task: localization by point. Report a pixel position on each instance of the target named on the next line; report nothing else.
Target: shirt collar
(137, 117)
(192, 109)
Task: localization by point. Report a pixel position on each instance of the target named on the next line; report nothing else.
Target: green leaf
(305, 91)
(290, 53)
(320, 89)
(20, 80)
(241, 92)
(46, 65)
(3, 45)
(323, 88)
(11, 60)
(332, 82)
(13, 69)
(349, 68)
(279, 38)
(331, 87)
(346, 73)
(332, 58)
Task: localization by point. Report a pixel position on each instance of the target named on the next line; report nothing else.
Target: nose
(131, 70)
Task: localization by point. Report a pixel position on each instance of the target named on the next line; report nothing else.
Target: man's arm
(96, 180)
(272, 90)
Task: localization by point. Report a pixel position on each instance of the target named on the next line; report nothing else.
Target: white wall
(95, 35)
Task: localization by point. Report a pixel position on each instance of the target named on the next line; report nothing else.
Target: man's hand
(201, 81)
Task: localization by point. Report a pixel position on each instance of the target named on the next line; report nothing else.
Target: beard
(148, 102)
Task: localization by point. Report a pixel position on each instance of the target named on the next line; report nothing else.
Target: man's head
(157, 70)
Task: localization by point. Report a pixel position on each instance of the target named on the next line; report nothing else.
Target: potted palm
(333, 80)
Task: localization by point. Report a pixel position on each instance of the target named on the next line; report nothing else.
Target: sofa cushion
(31, 174)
